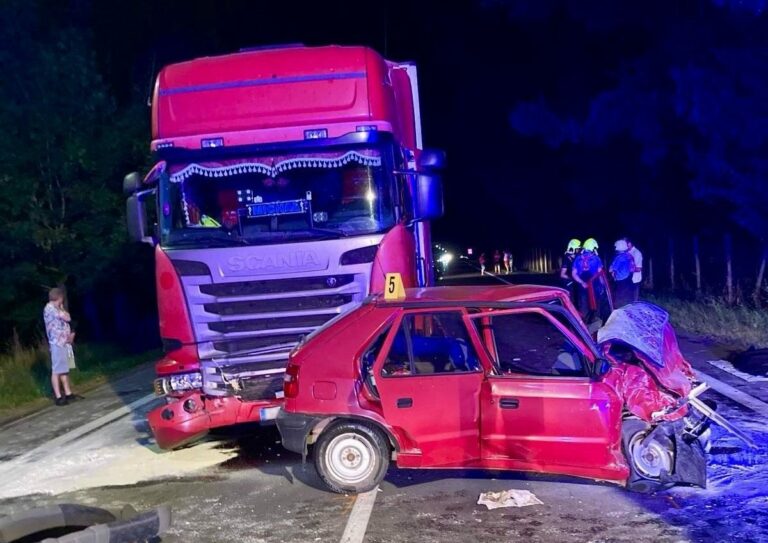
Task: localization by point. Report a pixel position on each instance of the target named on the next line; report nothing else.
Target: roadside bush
(739, 326)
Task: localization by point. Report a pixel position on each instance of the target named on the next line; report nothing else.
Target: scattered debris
(508, 498)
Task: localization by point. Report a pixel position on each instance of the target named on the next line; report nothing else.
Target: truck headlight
(186, 381)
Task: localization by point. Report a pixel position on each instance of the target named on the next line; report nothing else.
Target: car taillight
(291, 381)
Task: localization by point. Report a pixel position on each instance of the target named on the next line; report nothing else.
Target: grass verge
(25, 373)
(737, 326)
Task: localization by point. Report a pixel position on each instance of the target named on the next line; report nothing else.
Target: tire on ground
(632, 429)
(351, 456)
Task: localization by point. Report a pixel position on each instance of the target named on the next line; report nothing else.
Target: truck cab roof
(276, 94)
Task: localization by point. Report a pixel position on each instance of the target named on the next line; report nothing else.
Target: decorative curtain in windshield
(275, 165)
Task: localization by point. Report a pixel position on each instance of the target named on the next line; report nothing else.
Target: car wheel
(351, 457)
(647, 462)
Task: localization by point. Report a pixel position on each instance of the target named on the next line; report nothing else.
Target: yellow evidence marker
(393, 289)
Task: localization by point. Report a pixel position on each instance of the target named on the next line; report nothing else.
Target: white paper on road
(508, 498)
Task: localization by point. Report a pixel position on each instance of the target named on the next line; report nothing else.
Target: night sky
(560, 119)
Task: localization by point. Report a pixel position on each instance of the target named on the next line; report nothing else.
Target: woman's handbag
(71, 357)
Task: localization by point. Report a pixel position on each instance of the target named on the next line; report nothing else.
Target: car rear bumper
(193, 415)
(294, 429)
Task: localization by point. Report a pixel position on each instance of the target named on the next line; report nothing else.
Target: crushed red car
(502, 377)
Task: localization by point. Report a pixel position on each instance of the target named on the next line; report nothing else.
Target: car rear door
(540, 410)
(428, 377)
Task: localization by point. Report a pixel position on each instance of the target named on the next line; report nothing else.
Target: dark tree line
(64, 147)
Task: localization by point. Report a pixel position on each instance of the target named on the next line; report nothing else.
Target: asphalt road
(246, 488)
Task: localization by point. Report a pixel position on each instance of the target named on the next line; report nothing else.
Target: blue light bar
(316, 134)
(366, 128)
(211, 143)
(164, 145)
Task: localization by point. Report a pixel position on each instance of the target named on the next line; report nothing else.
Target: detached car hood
(645, 328)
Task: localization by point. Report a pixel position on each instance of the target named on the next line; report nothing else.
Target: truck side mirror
(136, 216)
(428, 197)
(428, 186)
(431, 160)
(131, 183)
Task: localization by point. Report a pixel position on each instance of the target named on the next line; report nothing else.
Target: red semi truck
(289, 181)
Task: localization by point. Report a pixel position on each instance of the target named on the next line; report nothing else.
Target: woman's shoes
(61, 401)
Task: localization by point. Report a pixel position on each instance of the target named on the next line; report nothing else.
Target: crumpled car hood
(645, 328)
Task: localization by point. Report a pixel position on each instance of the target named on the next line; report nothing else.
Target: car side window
(372, 352)
(431, 343)
(530, 343)
(369, 356)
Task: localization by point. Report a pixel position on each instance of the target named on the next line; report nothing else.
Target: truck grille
(275, 286)
(303, 303)
(237, 322)
(252, 343)
(262, 388)
(260, 325)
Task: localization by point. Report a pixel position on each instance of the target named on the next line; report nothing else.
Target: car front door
(428, 377)
(541, 411)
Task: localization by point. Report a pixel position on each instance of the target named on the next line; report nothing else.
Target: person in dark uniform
(571, 252)
(588, 272)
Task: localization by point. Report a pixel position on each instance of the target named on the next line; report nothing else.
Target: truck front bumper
(188, 418)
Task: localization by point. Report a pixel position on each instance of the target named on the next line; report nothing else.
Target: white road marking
(727, 366)
(6, 471)
(357, 523)
(734, 394)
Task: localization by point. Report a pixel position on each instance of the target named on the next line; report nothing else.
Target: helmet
(590, 245)
(621, 246)
(573, 246)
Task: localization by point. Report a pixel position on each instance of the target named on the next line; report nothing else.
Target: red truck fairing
(274, 95)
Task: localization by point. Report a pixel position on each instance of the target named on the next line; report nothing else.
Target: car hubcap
(650, 459)
(349, 458)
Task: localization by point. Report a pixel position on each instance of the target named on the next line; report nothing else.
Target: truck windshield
(267, 199)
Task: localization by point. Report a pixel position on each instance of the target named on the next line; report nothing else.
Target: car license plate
(268, 413)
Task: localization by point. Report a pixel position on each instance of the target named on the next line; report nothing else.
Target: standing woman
(60, 338)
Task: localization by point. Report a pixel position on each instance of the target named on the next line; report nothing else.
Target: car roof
(462, 295)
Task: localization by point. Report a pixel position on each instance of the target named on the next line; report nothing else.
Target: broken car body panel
(645, 328)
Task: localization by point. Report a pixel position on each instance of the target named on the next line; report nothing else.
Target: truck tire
(647, 464)
(351, 457)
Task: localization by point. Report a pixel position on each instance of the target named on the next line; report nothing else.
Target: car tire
(646, 465)
(351, 457)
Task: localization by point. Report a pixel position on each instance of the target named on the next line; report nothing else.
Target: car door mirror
(601, 367)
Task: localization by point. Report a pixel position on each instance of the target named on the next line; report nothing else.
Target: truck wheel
(351, 457)
(646, 463)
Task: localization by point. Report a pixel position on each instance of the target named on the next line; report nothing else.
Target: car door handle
(509, 403)
(404, 402)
